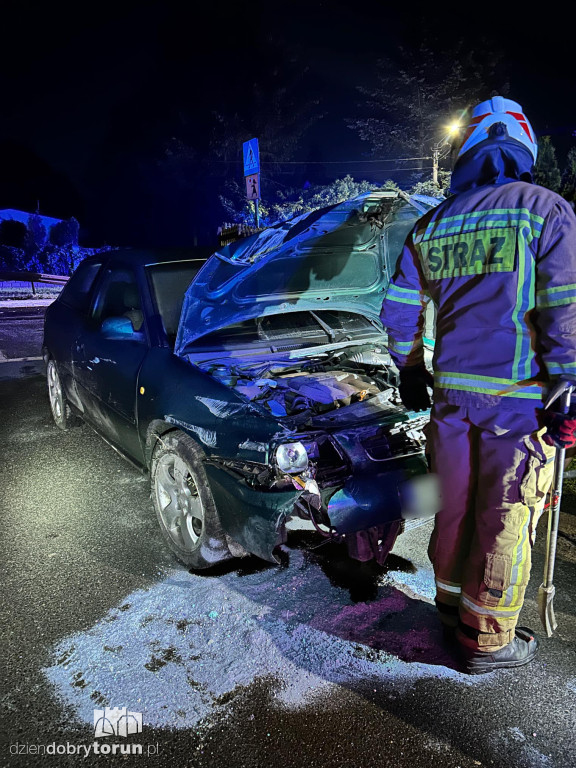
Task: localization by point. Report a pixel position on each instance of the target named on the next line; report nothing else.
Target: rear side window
(118, 296)
(76, 292)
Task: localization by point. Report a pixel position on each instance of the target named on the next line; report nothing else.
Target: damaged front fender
(252, 517)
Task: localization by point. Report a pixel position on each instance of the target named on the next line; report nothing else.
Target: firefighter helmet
(499, 110)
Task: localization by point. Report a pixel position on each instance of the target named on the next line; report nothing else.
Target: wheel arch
(155, 431)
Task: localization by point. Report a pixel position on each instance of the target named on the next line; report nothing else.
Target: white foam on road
(420, 583)
(173, 650)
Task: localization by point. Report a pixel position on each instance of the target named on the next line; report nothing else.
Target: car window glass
(169, 284)
(76, 292)
(118, 297)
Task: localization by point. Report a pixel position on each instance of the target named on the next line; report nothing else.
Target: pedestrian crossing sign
(251, 157)
(253, 186)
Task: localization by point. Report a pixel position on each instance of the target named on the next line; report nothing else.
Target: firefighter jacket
(499, 263)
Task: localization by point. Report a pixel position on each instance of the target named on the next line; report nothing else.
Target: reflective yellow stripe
(558, 296)
(404, 295)
(526, 276)
(447, 586)
(558, 368)
(487, 610)
(404, 347)
(511, 596)
(490, 385)
(488, 219)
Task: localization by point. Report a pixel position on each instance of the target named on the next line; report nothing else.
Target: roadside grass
(22, 293)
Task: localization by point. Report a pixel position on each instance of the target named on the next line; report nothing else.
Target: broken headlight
(291, 458)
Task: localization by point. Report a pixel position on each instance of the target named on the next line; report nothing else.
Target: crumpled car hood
(337, 258)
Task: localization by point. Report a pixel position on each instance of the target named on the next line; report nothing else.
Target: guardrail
(32, 278)
(229, 233)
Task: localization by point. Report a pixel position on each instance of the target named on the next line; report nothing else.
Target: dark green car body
(113, 332)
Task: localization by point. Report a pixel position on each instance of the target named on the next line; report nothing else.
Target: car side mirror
(118, 326)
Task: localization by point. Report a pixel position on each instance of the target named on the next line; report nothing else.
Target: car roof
(139, 257)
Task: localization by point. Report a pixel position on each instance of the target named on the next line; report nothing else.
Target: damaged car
(254, 386)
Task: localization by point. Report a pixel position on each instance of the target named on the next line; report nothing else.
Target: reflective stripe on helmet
(472, 125)
(523, 122)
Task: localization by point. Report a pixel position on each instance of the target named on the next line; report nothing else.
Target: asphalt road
(317, 662)
(20, 338)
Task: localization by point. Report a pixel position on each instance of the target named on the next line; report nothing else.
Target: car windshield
(169, 282)
(294, 330)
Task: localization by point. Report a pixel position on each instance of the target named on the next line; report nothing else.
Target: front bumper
(370, 498)
(255, 517)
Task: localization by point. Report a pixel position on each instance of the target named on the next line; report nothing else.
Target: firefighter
(498, 260)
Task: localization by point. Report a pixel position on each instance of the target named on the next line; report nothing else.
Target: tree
(546, 171)
(63, 233)
(34, 242)
(278, 104)
(405, 109)
(293, 202)
(12, 233)
(74, 230)
(568, 188)
(429, 188)
(276, 101)
(12, 237)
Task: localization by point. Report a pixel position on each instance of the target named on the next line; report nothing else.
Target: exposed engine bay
(303, 388)
(345, 408)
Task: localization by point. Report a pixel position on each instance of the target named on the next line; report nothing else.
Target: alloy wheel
(55, 392)
(178, 500)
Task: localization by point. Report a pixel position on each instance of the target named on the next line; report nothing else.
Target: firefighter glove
(414, 380)
(560, 428)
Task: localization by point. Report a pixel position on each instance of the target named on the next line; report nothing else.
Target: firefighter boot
(516, 653)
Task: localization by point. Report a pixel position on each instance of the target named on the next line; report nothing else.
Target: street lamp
(441, 149)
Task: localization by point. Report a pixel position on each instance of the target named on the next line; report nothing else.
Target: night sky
(130, 115)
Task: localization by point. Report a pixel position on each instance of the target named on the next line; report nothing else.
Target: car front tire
(184, 503)
(61, 411)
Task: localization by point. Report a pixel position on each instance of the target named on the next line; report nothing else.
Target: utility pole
(441, 150)
(435, 161)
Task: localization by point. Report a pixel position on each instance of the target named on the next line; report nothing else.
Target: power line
(379, 170)
(338, 162)
(413, 168)
(328, 162)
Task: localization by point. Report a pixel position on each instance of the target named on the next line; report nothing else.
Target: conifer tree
(546, 171)
(35, 239)
(568, 188)
(74, 230)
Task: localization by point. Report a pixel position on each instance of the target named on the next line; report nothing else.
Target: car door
(112, 348)
(65, 320)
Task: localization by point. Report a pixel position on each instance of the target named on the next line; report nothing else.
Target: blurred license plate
(420, 496)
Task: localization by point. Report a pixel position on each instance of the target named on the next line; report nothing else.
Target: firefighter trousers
(494, 471)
